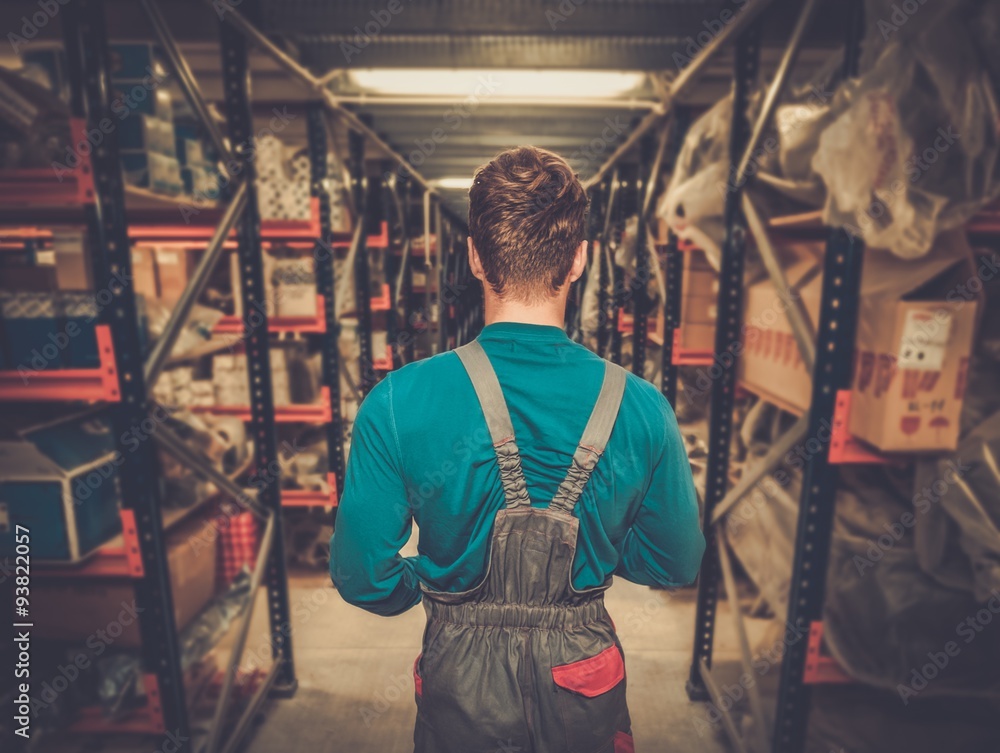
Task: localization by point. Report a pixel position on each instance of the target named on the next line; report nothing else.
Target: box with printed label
(914, 338)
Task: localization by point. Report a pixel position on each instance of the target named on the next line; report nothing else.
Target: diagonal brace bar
(161, 349)
(795, 312)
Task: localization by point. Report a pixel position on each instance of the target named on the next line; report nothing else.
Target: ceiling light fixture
(497, 82)
(453, 183)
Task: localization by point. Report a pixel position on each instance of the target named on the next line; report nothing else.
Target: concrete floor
(356, 688)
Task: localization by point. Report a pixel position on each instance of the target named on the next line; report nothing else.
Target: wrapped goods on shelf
(958, 534)
(878, 595)
(693, 203)
(915, 149)
(61, 482)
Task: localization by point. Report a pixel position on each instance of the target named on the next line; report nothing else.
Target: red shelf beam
(56, 385)
(232, 325)
(309, 413)
(119, 558)
(309, 498)
(821, 668)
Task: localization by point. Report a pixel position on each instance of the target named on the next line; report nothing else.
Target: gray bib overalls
(524, 663)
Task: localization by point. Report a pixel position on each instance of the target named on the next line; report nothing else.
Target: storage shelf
(92, 385)
(689, 356)
(310, 498)
(385, 363)
(201, 226)
(343, 240)
(232, 325)
(309, 413)
(821, 668)
(626, 325)
(117, 558)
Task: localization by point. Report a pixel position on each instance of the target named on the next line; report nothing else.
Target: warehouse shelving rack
(828, 353)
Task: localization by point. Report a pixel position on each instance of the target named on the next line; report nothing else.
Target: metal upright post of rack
(640, 281)
(84, 30)
(673, 264)
(837, 325)
(236, 85)
(616, 237)
(727, 337)
(362, 192)
(326, 282)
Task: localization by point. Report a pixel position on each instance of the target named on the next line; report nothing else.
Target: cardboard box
(144, 272)
(173, 269)
(913, 343)
(61, 482)
(109, 606)
(74, 270)
(157, 172)
(140, 132)
(915, 335)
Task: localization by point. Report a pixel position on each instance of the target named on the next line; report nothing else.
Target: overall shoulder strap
(484, 380)
(595, 438)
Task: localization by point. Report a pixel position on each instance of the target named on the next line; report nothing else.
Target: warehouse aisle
(356, 688)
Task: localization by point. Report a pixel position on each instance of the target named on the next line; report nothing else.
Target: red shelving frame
(383, 364)
(119, 558)
(844, 446)
(821, 668)
(309, 498)
(232, 325)
(145, 720)
(93, 385)
(689, 356)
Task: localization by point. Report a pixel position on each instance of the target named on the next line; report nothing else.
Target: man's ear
(579, 262)
(474, 262)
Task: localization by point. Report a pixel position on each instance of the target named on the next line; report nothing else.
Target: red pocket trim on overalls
(418, 682)
(594, 676)
(624, 743)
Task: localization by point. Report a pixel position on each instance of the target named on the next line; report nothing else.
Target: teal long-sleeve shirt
(421, 451)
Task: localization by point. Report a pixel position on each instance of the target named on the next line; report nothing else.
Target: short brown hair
(527, 210)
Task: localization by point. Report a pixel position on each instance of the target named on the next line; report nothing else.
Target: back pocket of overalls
(591, 698)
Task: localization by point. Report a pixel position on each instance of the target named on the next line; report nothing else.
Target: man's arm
(374, 520)
(665, 544)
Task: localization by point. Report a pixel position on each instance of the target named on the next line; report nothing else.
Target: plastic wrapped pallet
(915, 149)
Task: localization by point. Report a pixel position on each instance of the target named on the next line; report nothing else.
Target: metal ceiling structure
(652, 36)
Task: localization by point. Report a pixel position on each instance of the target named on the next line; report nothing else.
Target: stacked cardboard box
(914, 338)
(144, 107)
(699, 300)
